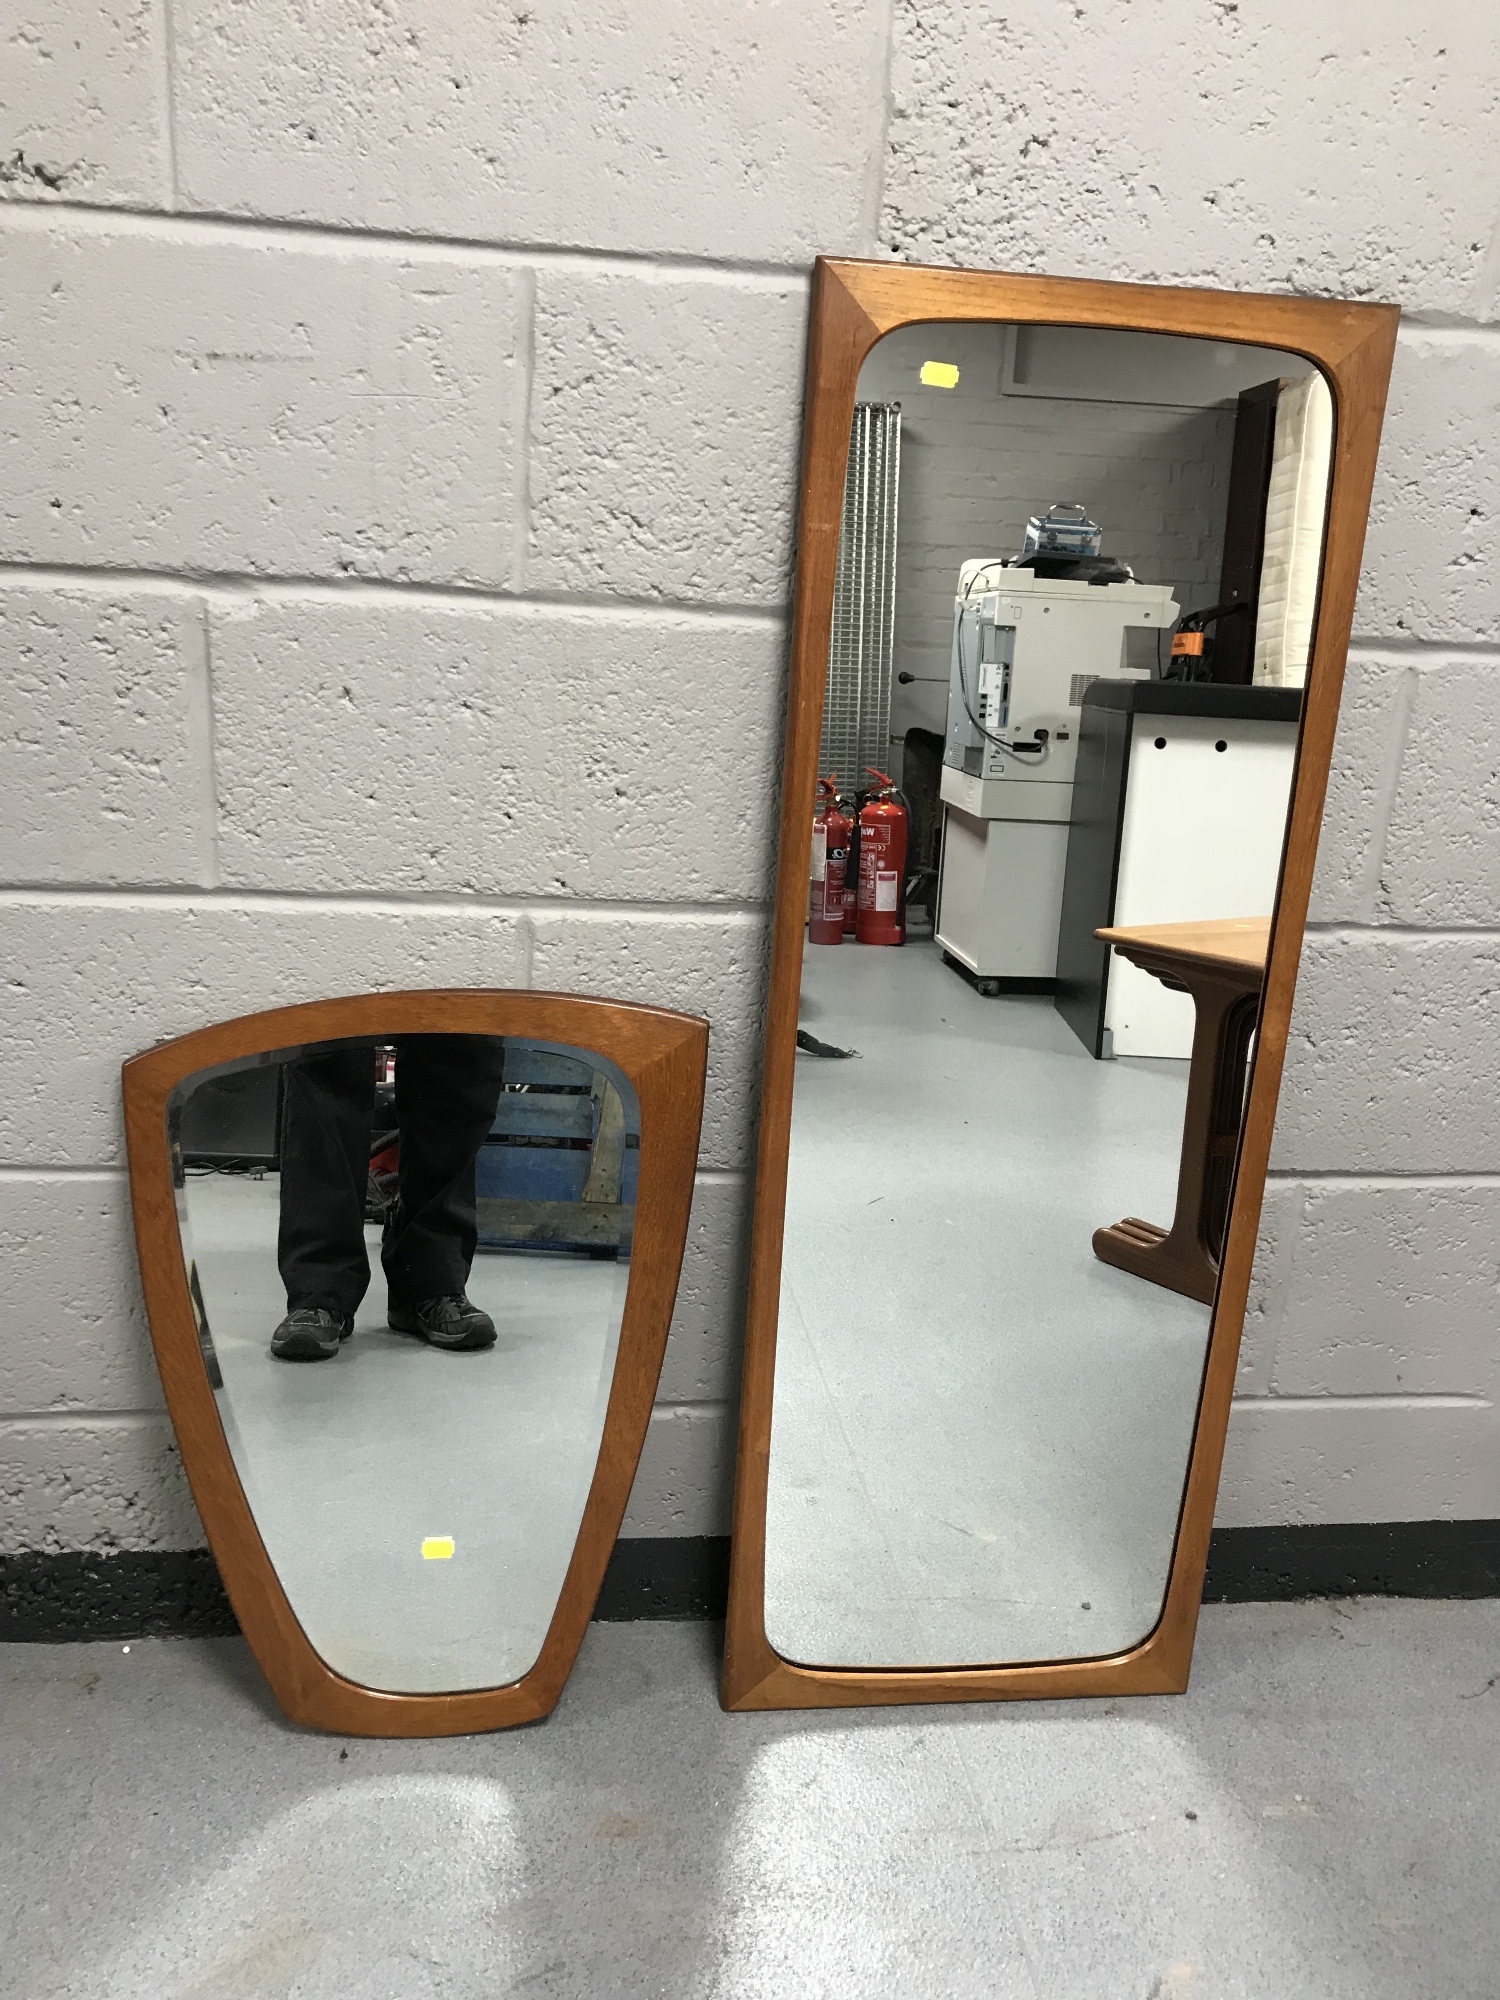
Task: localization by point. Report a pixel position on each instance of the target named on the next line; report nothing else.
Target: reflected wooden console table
(1222, 965)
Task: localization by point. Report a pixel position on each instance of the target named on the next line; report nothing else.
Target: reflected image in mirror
(1073, 609)
(408, 1263)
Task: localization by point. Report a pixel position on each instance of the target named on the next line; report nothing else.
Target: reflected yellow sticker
(939, 375)
(437, 1548)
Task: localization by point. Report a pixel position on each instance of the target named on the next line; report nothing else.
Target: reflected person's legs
(447, 1089)
(325, 1168)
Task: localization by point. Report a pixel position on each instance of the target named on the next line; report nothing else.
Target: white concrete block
(1432, 550)
(95, 981)
(74, 1324)
(714, 966)
(1381, 1460)
(1346, 881)
(172, 402)
(703, 1353)
(84, 113)
(104, 753)
(685, 1485)
(665, 427)
(1442, 849)
(510, 750)
(1382, 1291)
(1395, 1041)
(751, 131)
(1052, 140)
(1279, 1221)
(113, 1483)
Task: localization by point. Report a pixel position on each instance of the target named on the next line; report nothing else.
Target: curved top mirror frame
(665, 1056)
(854, 304)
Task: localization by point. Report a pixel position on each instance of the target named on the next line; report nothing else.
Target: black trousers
(447, 1089)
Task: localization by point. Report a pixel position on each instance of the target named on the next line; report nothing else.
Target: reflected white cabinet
(1179, 812)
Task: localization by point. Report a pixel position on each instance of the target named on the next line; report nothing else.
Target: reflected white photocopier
(1028, 637)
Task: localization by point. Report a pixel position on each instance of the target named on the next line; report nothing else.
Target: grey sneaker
(309, 1333)
(453, 1322)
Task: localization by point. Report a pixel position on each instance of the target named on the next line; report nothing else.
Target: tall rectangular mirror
(1075, 580)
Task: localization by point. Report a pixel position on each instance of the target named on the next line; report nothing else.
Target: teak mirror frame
(853, 306)
(665, 1056)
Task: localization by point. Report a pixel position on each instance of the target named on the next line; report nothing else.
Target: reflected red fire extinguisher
(884, 825)
(830, 865)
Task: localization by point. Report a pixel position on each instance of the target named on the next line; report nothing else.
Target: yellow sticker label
(939, 375)
(437, 1548)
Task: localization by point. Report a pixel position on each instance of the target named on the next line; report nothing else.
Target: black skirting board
(136, 1594)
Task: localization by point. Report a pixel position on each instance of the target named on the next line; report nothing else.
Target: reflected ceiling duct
(1296, 501)
(857, 712)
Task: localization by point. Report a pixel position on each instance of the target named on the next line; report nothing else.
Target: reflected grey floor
(980, 1432)
(1313, 1821)
(349, 1465)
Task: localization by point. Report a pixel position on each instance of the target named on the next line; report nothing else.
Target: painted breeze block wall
(401, 408)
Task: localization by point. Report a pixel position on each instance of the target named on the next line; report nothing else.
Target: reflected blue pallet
(531, 1173)
(544, 1114)
(525, 1062)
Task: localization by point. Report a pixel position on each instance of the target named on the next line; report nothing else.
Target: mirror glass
(1073, 607)
(408, 1262)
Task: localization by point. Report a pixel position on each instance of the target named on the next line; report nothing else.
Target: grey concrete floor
(349, 1465)
(980, 1433)
(1315, 1820)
